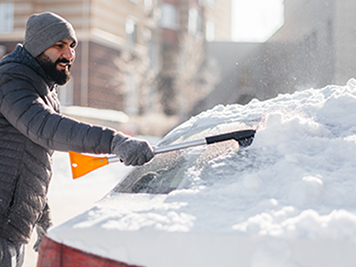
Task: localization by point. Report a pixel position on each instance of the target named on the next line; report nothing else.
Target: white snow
(287, 200)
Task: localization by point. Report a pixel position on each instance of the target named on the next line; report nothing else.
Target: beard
(60, 77)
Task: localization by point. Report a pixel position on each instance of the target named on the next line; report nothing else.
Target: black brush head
(246, 137)
(245, 142)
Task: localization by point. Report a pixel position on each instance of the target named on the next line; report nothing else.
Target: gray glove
(131, 151)
(42, 226)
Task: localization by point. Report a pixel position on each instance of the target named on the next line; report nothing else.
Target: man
(31, 128)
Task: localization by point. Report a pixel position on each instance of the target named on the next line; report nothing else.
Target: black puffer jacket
(30, 130)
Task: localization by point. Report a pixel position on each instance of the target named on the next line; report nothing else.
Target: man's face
(57, 61)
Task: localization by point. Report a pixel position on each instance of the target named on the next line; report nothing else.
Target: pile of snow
(287, 200)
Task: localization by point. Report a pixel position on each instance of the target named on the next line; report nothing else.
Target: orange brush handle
(82, 164)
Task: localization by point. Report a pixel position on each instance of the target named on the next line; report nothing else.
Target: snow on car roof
(288, 196)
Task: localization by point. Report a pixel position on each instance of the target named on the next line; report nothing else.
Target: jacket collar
(22, 56)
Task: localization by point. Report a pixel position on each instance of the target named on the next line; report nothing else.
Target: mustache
(63, 60)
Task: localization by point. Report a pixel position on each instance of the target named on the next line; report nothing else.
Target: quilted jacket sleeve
(27, 104)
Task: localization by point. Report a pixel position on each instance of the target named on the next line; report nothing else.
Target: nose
(69, 53)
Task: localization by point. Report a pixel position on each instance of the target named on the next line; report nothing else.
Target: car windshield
(166, 171)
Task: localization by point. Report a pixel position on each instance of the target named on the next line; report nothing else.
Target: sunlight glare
(256, 20)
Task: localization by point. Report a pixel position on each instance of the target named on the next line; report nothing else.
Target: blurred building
(104, 29)
(182, 20)
(315, 47)
(120, 42)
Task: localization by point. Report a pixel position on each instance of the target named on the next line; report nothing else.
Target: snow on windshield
(166, 171)
(295, 182)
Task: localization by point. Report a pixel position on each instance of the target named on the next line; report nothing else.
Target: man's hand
(130, 150)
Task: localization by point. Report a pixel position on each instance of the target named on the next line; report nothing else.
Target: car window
(166, 171)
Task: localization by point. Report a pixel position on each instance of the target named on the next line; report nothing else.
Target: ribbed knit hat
(44, 30)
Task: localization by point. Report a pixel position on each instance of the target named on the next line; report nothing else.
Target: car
(139, 202)
(286, 200)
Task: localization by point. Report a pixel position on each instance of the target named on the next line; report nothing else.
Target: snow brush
(82, 164)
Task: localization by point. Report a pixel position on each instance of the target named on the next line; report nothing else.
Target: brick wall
(104, 86)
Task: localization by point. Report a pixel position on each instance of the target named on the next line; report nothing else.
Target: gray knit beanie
(44, 30)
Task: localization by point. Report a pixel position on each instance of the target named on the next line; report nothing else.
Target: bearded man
(31, 129)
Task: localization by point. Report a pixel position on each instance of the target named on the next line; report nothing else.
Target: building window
(148, 3)
(210, 31)
(131, 107)
(131, 31)
(66, 93)
(169, 17)
(211, 3)
(2, 51)
(134, 1)
(6, 17)
(195, 21)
